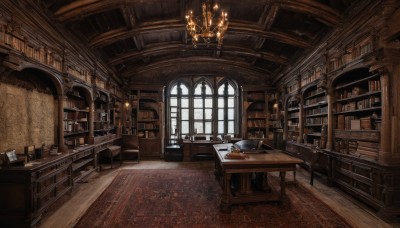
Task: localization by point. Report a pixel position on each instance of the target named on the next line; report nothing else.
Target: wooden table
(255, 162)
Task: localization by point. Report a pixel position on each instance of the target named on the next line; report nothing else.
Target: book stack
(368, 149)
(340, 122)
(365, 123)
(355, 124)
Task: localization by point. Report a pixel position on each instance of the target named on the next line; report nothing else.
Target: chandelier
(206, 29)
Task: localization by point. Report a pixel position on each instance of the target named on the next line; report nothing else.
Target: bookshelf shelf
(357, 115)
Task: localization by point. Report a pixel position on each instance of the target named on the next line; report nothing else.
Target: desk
(272, 161)
(198, 148)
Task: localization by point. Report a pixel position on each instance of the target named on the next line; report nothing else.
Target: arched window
(202, 108)
(226, 109)
(191, 110)
(178, 111)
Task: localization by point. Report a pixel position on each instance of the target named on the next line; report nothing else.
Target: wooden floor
(73, 207)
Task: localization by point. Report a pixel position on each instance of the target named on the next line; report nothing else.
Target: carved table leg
(282, 197)
(226, 195)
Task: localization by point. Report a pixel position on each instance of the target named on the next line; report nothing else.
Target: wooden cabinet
(76, 119)
(357, 115)
(26, 192)
(315, 108)
(83, 164)
(150, 147)
(374, 184)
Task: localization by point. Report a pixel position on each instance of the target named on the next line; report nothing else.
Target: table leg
(226, 195)
(283, 187)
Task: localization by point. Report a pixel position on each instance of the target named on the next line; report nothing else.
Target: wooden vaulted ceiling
(147, 39)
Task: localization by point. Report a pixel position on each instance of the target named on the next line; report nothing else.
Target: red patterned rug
(190, 198)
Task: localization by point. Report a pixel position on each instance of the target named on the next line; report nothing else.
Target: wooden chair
(110, 153)
(130, 146)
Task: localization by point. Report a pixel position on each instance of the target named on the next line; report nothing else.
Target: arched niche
(29, 104)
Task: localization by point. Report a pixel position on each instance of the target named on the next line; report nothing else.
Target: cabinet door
(150, 147)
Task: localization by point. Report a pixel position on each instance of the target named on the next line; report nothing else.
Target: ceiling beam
(161, 65)
(171, 48)
(115, 35)
(82, 8)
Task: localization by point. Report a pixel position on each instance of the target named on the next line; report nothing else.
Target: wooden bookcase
(357, 116)
(76, 119)
(315, 108)
(256, 120)
(293, 119)
(146, 119)
(101, 122)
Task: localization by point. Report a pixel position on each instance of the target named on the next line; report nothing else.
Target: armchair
(130, 147)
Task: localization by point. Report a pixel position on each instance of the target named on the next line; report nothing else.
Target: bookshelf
(315, 107)
(256, 110)
(101, 122)
(146, 119)
(357, 115)
(293, 119)
(76, 119)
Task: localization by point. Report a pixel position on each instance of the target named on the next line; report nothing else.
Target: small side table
(173, 153)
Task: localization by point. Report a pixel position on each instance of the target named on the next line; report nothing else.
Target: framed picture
(11, 156)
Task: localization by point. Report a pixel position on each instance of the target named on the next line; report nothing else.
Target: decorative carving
(68, 84)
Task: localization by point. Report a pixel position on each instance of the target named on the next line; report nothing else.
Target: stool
(111, 152)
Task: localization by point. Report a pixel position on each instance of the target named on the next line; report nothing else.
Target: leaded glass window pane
(198, 103)
(231, 90)
(198, 114)
(208, 129)
(185, 127)
(174, 90)
(184, 90)
(208, 90)
(198, 127)
(208, 103)
(221, 90)
(185, 103)
(220, 114)
(208, 113)
(221, 102)
(197, 90)
(231, 114)
(174, 101)
(220, 126)
(231, 102)
(185, 114)
(231, 127)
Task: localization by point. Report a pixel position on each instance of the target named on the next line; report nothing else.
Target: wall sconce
(127, 104)
(276, 105)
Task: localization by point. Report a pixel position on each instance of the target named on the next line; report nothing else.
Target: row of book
(373, 101)
(315, 111)
(74, 104)
(317, 120)
(368, 150)
(354, 123)
(142, 126)
(256, 123)
(146, 115)
(374, 85)
(315, 100)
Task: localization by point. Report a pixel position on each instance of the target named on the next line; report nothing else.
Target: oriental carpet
(191, 198)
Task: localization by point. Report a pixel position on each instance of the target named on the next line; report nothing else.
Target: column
(61, 141)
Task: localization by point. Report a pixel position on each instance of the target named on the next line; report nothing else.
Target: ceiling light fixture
(206, 29)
